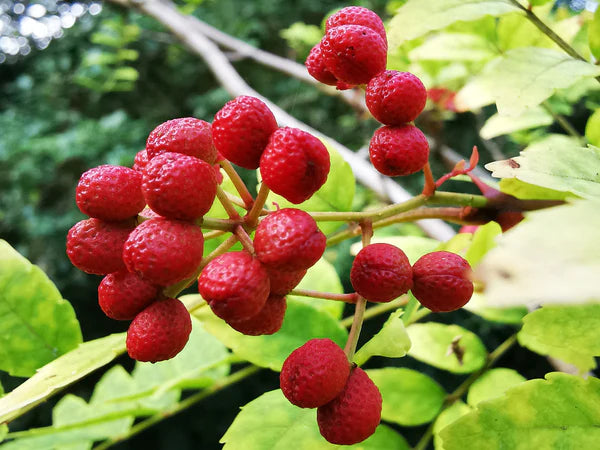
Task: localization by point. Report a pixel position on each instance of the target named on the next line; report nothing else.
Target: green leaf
(454, 47)
(561, 412)
(522, 78)
(61, 372)
(3, 427)
(594, 34)
(569, 333)
(413, 246)
(446, 417)
(272, 422)
(418, 17)
(524, 190)
(36, 323)
(125, 74)
(516, 30)
(322, 277)
(391, 341)
(592, 128)
(556, 162)
(409, 397)
(484, 239)
(492, 384)
(302, 322)
(479, 305)
(551, 257)
(432, 343)
(498, 125)
(335, 195)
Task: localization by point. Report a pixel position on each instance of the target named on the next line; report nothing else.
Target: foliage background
(85, 101)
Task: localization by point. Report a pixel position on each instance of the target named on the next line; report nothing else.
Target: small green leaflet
(498, 125)
(594, 34)
(418, 17)
(61, 372)
(557, 162)
(560, 412)
(569, 333)
(551, 257)
(454, 47)
(409, 397)
(302, 322)
(446, 417)
(391, 341)
(272, 422)
(36, 324)
(492, 384)
(524, 77)
(433, 343)
(592, 127)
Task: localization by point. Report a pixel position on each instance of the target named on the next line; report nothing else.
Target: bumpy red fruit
(268, 320)
(398, 151)
(159, 332)
(235, 285)
(96, 247)
(357, 15)
(289, 240)
(241, 130)
(179, 186)
(354, 415)
(441, 281)
(354, 54)
(381, 272)
(295, 164)
(140, 160)
(283, 282)
(110, 193)
(164, 251)
(395, 97)
(122, 295)
(314, 374)
(187, 135)
(316, 67)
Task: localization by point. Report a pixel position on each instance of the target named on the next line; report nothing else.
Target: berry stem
(218, 224)
(213, 234)
(375, 311)
(361, 303)
(229, 208)
(429, 188)
(245, 240)
(257, 207)
(239, 184)
(348, 298)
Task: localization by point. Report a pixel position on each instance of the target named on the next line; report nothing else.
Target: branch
(187, 30)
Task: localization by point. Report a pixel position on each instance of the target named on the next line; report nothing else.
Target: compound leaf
(492, 384)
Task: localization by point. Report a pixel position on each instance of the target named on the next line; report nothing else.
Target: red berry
(179, 186)
(110, 193)
(187, 135)
(395, 97)
(398, 151)
(357, 15)
(316, 67)
(381, 272)
(283, 282)
(354, 415)
(241, 130)
(289, 240)
(353, 53)
(122, 295)
(314, 374)
(295, 164)
(235, 285)
(96, 247)
(163, 251)
(268, 320)
(159, 332)
(140, 160)
(441, 281)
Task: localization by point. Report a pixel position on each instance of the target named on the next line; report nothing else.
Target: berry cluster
(143, 231)
(319, 375)
(439, 280)
(354, 52)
